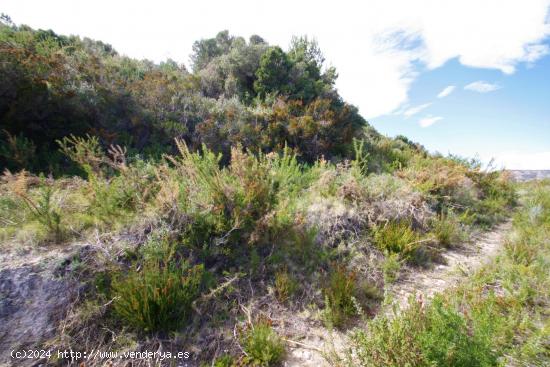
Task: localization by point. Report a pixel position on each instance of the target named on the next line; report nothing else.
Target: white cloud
(429, 120)
(416, 109)
(535, 52)
(446, 91)
(522, 160)
(482, 87)
(378, 47)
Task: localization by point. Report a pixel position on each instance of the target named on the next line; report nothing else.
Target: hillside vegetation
(220, 210)
(240, 92)
(499, 317)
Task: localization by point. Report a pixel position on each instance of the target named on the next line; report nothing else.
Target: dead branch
(214, 292)
(303, 345)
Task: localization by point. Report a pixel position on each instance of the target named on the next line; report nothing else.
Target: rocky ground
(35, 292)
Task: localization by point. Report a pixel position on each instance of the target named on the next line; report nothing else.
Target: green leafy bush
(263, 346)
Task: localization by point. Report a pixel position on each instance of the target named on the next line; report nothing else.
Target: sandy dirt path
(458, 263)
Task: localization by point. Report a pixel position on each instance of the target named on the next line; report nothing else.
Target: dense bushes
(240, 92)
(226, 210)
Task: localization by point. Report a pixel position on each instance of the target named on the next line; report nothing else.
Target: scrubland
(229, 210)
(186, 251)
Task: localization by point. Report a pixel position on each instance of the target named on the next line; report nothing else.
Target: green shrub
(110, 197)
(447, 230)
(118, 189)
(448, 340)
(435, 335)
(223, 361)
(44, 211)
(285, 285)
(263, 346)
(391, 267)
(397, 238)
(158, 297)
(84, 151)
(238, 196)
(340, 296)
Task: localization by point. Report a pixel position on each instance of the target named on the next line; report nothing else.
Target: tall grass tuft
(44, 211)
(396, 237)
(447, 230)
(159, 297)
(340, 294)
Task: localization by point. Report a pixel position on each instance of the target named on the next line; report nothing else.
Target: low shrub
(285, 285)
(159, 296)
(447, 230)
(263, 346)
(391, 267)
(435, 335)
(396, 238)
(44, 210)
(340, 296)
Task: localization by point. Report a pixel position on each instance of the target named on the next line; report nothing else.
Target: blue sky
(392, 56)
(511, 120)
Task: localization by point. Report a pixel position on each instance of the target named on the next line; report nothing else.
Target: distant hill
(527, 175)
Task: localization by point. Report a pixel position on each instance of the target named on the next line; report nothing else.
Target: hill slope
(217, 211)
